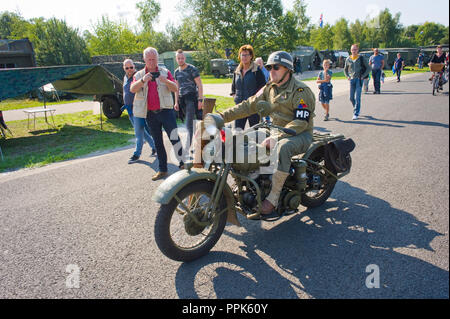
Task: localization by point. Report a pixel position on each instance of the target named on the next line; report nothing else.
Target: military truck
(223, 67)
(111, 103)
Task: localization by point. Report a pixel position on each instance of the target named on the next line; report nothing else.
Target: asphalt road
(93, 218)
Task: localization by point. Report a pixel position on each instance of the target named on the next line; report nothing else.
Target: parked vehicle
(196, 203)
(223, 67)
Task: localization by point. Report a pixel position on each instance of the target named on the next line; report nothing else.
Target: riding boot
(278, 179)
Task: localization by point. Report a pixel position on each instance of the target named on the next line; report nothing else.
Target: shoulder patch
(300, 89)
(302, 105)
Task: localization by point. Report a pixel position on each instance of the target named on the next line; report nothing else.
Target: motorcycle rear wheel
(177, 234)
(315, 196)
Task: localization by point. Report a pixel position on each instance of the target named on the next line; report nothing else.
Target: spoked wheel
(435, 85)
(320, 183)
(186, 228)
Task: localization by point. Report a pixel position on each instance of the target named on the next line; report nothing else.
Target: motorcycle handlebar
(289, 131)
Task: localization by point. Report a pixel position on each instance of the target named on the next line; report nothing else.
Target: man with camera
(153, 99)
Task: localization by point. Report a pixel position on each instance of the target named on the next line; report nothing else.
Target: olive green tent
(310, 58)
(169, 59)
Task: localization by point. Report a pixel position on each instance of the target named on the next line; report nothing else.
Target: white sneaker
(355, 117)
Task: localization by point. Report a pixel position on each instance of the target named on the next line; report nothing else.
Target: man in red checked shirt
(153, 99)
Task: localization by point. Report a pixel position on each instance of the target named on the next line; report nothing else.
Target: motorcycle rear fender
(176, 182)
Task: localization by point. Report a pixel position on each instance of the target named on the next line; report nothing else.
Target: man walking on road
(398, 65)
(376, 61)
(141, 129)
(153, 99)
(190, 94)
(356, 69)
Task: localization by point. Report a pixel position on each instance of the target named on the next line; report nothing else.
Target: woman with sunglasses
(292, 105)
(248, 79)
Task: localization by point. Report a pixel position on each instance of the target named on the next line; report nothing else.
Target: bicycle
(436, 83)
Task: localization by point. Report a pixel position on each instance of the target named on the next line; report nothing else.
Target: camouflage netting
(116, 68)
(82, 79)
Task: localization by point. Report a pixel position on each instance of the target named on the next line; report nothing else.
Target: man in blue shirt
(141, 129)
(376, 61)
(420, 60)
(398, 65)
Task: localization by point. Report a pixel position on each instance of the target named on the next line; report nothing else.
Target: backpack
(363, 67)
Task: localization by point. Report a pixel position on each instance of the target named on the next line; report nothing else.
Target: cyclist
(438, 57)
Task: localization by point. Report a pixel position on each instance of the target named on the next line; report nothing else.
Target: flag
(321, 20)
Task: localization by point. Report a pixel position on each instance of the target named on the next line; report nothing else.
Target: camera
(155, 75)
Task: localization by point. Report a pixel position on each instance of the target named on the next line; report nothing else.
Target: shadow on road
(382, 122)
(323, 253)
(385, 92)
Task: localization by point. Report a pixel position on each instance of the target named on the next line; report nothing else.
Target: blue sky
(82, 13)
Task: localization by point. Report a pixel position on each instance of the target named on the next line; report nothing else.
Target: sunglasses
(276, 67)
(129, 68)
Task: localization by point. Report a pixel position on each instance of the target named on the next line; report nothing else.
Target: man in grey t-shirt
(376, 61)
(189, 98)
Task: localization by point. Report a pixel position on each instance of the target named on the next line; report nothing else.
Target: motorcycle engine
(249, 196)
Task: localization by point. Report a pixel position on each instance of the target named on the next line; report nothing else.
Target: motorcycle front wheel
(185, 229)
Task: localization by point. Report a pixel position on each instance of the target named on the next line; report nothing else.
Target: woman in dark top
(248, 79)
(438, 57)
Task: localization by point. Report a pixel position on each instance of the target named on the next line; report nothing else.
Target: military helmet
(283, 58)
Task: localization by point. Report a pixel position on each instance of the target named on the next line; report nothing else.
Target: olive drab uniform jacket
(292, 106)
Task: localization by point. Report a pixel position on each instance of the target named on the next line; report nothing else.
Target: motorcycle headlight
(213, 123)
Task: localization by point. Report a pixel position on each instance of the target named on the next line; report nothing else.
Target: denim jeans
(190, 104)
(129, 109)
(355, 95)
(376, 74)
(142, 132)
(157, 120)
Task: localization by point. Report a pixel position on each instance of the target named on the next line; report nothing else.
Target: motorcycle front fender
(177, 181)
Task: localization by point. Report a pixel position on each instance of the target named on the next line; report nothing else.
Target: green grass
(76, 135)
(222, 103)
(210, 79)
(16, 104)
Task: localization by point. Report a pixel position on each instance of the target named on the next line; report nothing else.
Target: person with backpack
(356, 69)
(189, 97)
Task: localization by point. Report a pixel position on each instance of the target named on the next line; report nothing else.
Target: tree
(302, 22)
(408, 37)
(149, 11)
(342, 39)
(111, 37)
(286, 38)
(235, 23)
(359, 31)
(55, 43)
(431, 33)
(389, 31)
(13, 26)
(322, 38)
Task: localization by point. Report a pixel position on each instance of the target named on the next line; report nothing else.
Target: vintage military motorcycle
(196, 203)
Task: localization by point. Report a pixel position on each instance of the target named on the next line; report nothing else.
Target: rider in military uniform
(292, 106)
